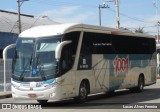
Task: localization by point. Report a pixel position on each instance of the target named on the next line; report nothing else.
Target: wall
(5, 40)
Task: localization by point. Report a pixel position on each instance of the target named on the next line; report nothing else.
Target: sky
(133, 13)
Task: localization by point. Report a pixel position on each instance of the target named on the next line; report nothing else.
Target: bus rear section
(118, 61)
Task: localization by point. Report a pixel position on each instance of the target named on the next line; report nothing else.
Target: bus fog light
(52, 94)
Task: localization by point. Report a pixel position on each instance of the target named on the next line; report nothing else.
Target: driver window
(66, 58)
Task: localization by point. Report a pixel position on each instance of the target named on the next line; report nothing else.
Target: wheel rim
(141, 86)
(83, 92)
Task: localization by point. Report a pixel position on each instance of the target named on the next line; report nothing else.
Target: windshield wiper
(41, 71)
(24, 70)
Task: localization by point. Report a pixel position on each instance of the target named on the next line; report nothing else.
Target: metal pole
(157, 59)
(19, 16)
(156, 6)
(117, 13)
(100, 6)
(99, 15)
(4, 60)
(158, 32)
(20, 2)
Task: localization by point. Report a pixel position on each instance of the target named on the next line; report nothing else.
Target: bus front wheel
(83, 93)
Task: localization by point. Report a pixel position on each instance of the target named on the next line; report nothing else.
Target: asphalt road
(121, 100)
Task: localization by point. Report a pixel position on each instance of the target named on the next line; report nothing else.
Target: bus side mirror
(59, 49)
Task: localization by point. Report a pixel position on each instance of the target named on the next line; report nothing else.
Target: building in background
(9, 26)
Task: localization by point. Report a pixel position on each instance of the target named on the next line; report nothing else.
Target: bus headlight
(15, 86)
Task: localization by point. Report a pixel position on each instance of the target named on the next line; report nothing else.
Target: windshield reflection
(35, 59)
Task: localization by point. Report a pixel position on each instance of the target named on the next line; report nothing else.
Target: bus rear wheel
(140, 85)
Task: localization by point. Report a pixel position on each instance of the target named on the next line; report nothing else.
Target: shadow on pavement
(115, 100)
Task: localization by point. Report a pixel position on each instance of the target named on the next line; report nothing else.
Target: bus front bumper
(52, 93)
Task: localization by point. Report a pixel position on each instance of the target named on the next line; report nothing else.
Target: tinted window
(98, 43)
(133, 45)
(74, 37)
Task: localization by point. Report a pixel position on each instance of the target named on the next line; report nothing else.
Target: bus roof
(58, 29)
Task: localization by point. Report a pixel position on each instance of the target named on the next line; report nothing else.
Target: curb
(5, 95)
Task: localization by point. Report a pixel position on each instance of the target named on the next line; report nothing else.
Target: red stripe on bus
(115, 32)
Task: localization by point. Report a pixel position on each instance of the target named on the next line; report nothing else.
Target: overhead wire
(60, 3)
(52, 3)
(133, 18)
(69, 3)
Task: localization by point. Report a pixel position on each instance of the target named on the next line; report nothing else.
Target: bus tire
(42, 101)
(140, 85)
(83, 92)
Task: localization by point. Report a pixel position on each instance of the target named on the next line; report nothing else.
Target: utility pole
(20, 2)
(101, 6)
(155, 4)
(117, 13)
(158, 23)
(99, 15)
(19, 17)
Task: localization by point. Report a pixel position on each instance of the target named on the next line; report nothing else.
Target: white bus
(55, 62)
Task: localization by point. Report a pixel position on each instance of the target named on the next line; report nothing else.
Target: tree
(139, 30)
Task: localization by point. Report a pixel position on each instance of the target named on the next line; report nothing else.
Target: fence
(8, 74)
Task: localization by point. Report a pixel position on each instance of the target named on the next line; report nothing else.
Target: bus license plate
(32, 95)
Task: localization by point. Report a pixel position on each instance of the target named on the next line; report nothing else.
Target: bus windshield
(34, 59)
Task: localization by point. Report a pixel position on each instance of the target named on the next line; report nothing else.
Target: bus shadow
(108, 100)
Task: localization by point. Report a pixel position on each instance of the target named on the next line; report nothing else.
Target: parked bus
(55, 62)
